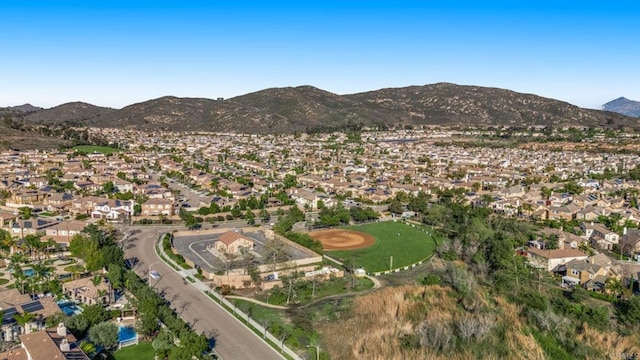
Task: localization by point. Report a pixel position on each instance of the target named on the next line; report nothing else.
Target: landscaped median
(168, 250)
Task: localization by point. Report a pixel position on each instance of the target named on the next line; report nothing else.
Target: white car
(154, 274)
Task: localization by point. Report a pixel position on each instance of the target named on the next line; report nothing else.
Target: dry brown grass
(380, 320)
(610, 342)
(434, 316)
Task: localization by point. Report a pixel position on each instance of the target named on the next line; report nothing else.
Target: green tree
(25, 212)
(104, 334)
(396, 207)
(163, 343)
(108, 187)
(78, 325)
(191, 346)
(290, 181)
(629, 311)
(95, 314)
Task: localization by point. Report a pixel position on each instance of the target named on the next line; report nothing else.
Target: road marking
(198, 255)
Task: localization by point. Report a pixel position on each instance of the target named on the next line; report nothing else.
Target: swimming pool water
(126, 333)
(69, 308)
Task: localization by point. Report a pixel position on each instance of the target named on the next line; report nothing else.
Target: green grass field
(411, 246)
(143, 350)
(91, 149)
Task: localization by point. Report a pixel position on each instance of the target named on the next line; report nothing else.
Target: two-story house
(550, 259)
(51, 343)
(154, 207)
(13, 304)
(87, 291)
(63, 232)
(599, 236)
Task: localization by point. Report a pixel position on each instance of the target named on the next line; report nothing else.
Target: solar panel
(7, 316)
(32, 306)
(73, 355)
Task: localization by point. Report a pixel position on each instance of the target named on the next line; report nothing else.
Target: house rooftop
(231, 236)
(557, 253)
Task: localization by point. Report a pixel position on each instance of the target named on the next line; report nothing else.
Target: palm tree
(31, 242)
(23, 320)
(7, 242)
(25, 213)
(42, 273)
(50, 245)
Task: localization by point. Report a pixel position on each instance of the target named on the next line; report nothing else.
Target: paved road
(233, 340)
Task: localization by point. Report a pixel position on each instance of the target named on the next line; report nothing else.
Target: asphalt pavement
(233, 340)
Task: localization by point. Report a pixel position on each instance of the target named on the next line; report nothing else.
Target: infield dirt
(340, 239)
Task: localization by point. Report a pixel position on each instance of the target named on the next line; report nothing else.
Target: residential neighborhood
(583, 205)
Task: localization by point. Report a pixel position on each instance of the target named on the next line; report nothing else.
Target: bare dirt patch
(340, 239)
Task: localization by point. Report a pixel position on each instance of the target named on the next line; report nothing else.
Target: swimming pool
(69, 307)
(28, 272)
(126, 333)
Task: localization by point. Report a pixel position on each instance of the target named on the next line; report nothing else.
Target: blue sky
(114, 53)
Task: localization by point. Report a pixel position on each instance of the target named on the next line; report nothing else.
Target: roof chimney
(65, 346)
(61, 330)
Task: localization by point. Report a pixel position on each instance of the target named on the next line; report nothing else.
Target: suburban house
(87, 292)
(585, 273)
(58, 202)
(232, 241)
(123, 186)
(26, 197)
(33, 226)
(113, 209)
(13, 303)
(153, 207)
(306, 198)
(63, 232)
(51, 343)
(599, 235)
(631, 241)
(550, 259)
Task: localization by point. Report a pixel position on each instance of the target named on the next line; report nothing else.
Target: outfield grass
(412, 245)
(91, 149)
(143, 350)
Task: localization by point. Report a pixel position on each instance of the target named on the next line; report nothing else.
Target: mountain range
(306, 108)
(623, 106)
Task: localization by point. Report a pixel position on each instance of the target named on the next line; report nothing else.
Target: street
(233, 340)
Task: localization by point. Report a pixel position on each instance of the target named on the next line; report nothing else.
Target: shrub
(431, 279)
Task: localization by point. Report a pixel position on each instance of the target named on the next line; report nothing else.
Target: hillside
(20, 109)
(446, 104)
(431, 322)
(623, 106)
(27, 140)
(305, 108)
(76, 113)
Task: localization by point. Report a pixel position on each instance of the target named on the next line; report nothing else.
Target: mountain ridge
(623, 106)
(307, 108)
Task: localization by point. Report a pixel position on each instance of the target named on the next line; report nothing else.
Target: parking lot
(195, 248)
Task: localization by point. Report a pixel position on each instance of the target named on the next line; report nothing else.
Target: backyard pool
(28, 272)
(69, 307)
(126, 333)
